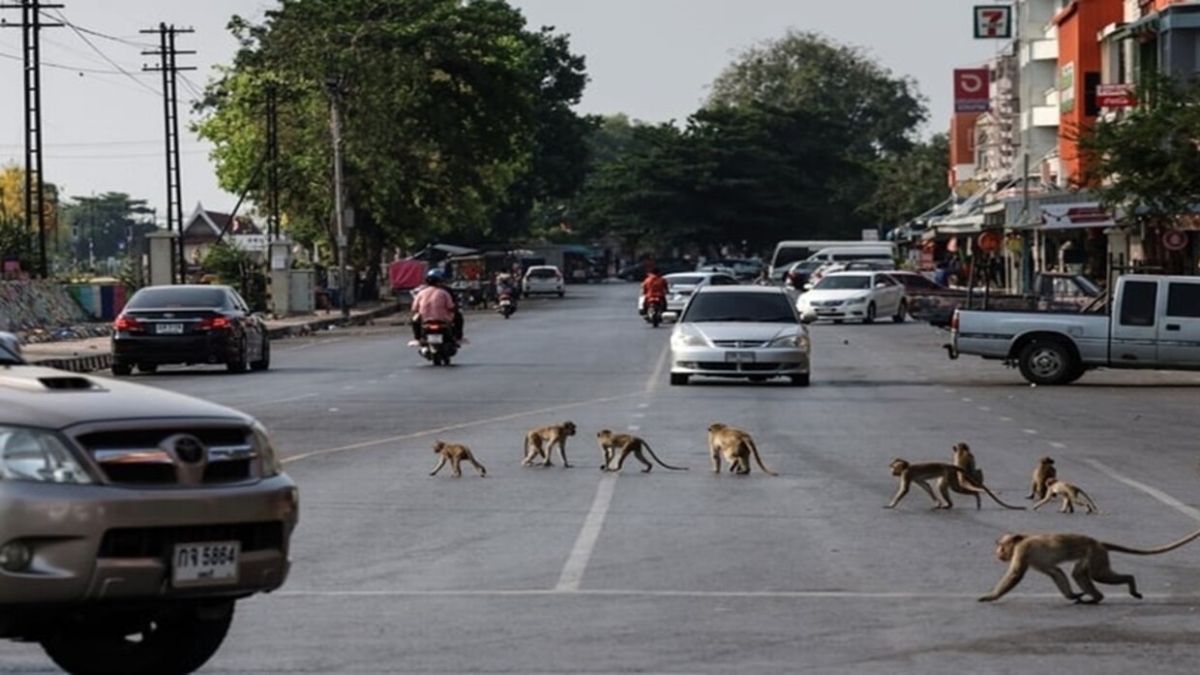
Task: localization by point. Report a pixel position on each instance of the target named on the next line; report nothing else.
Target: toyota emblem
(189, 449)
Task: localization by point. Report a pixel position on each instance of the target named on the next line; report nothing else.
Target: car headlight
(857, 300)
(798, 341)
(39, 456)
(687, 338)
(269, 457)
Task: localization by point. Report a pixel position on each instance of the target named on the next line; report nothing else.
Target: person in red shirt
(434, 302)
(654, 285)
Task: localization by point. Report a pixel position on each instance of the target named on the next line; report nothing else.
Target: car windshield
(688, 280)
(173, 296)
(843, 282)
(7, 357)
(749, 307)
(541, 274)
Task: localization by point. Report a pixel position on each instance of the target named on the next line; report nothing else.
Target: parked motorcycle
(506, 305)
(437, 342)
(655, 306)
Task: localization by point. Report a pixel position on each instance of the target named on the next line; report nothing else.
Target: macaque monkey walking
(456, 454)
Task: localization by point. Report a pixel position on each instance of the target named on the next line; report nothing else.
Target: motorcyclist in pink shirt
(434, 302)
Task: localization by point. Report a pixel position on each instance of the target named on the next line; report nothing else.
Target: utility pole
(35, 199)
(335, 119)
(272, 161)
(167, 53)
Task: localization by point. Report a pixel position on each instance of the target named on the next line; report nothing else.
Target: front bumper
(100, 543)
(720, 362)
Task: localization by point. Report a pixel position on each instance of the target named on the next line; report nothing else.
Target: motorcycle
(437, 342)
(506, 305)
(655, 306)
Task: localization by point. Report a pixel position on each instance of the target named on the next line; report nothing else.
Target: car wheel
(121, 369)
(757, 378)
(901, 312)
(265, 362)
(839, 321)
(241, 362)
(870, 317)
(561, 293)
(159, 645)
(801, 380)
(147, 367)
(1048, 362)
(679, 378)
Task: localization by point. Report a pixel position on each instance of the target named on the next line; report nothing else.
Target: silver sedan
(750, 332)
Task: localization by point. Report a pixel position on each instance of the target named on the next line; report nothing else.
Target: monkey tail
(1151, 551)
(1000, 501)
(660, 462)
(758, 459)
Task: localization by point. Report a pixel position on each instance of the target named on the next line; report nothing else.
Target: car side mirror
(808, 317)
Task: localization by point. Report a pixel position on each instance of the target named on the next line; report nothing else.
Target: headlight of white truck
(36, 455)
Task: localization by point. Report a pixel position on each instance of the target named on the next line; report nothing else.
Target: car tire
(122, 369)
(1048, 362)
(147, 367)
(801, 380)
(679, 379)
(870, 317)
(561, 293)
(169, 645)
(265, 362)
(241, 363)
(901, 312)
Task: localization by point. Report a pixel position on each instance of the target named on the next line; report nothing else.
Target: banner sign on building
(1115, 96)
(971, 90)
(1066, 87)
(1071, 216)
(993, 22)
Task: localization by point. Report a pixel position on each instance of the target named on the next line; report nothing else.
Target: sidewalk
(88, 354)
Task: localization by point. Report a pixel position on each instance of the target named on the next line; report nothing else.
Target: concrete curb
(93, 362)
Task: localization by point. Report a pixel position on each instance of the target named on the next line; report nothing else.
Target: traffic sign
(1174, 240)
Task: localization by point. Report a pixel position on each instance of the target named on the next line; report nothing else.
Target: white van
(883, 251)
(790, 251)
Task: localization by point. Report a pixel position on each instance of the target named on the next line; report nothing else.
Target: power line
(140, 45)
(114, 64)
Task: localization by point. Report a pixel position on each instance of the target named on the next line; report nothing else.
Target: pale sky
(103, 129)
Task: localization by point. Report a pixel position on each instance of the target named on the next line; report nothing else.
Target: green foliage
(109, 225)
(454, 116)
(912, 183)
(238, 268)
(1149, 161)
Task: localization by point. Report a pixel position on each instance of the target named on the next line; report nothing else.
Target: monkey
(621, 446)
(965, 460)
(1070, 494)
(948, 476)
(1045, 552)
(737, 446)
(1043, 472)
(455, 454)
(540, 442)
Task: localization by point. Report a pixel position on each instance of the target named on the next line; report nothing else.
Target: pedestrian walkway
(95, 353)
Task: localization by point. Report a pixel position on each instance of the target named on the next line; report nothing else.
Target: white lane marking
(1031, 432)
(1005, 419)
(278, 400)
(585, 543)
(453, 427)
(966, 400)
(638, 415)
(644, 404)
(1161, 496)
(534, 592)
(1056, 444)
(633, 427)
(663, 359)
(984, 408)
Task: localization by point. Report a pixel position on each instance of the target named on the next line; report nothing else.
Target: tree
(805, 71)
(110, 225)
(19, 240)
(442, 106)
(1149, 161)
(909, 184)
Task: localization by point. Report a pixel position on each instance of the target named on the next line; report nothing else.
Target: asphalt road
(555, 570)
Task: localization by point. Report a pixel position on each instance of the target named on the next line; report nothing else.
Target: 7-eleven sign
(993, 21)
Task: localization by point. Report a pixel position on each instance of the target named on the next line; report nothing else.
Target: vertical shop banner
(971, 90)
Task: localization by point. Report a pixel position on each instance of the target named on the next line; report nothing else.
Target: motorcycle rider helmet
(435, 276)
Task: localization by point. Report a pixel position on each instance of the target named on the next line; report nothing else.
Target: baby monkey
(456, 454)
(1070, 494)
(1042, 473)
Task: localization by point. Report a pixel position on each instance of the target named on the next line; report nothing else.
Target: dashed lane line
(1154, 492)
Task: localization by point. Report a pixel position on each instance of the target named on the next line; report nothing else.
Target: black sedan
(189, 324)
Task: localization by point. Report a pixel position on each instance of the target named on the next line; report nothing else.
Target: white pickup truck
(1153, 323)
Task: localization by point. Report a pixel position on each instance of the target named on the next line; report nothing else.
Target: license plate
(826, 311)
(434, 338)
(739, 357)
(203, 563)
(169, 329)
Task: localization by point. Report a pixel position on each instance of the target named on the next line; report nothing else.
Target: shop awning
(971, 224)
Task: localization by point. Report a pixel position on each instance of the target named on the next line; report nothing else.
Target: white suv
(542, 279)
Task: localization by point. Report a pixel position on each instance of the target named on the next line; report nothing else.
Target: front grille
(158, 542)
(744, 367)
(150, 457)
(739, 344)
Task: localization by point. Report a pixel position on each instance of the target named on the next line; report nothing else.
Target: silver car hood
(741, 330)
(54, 399)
